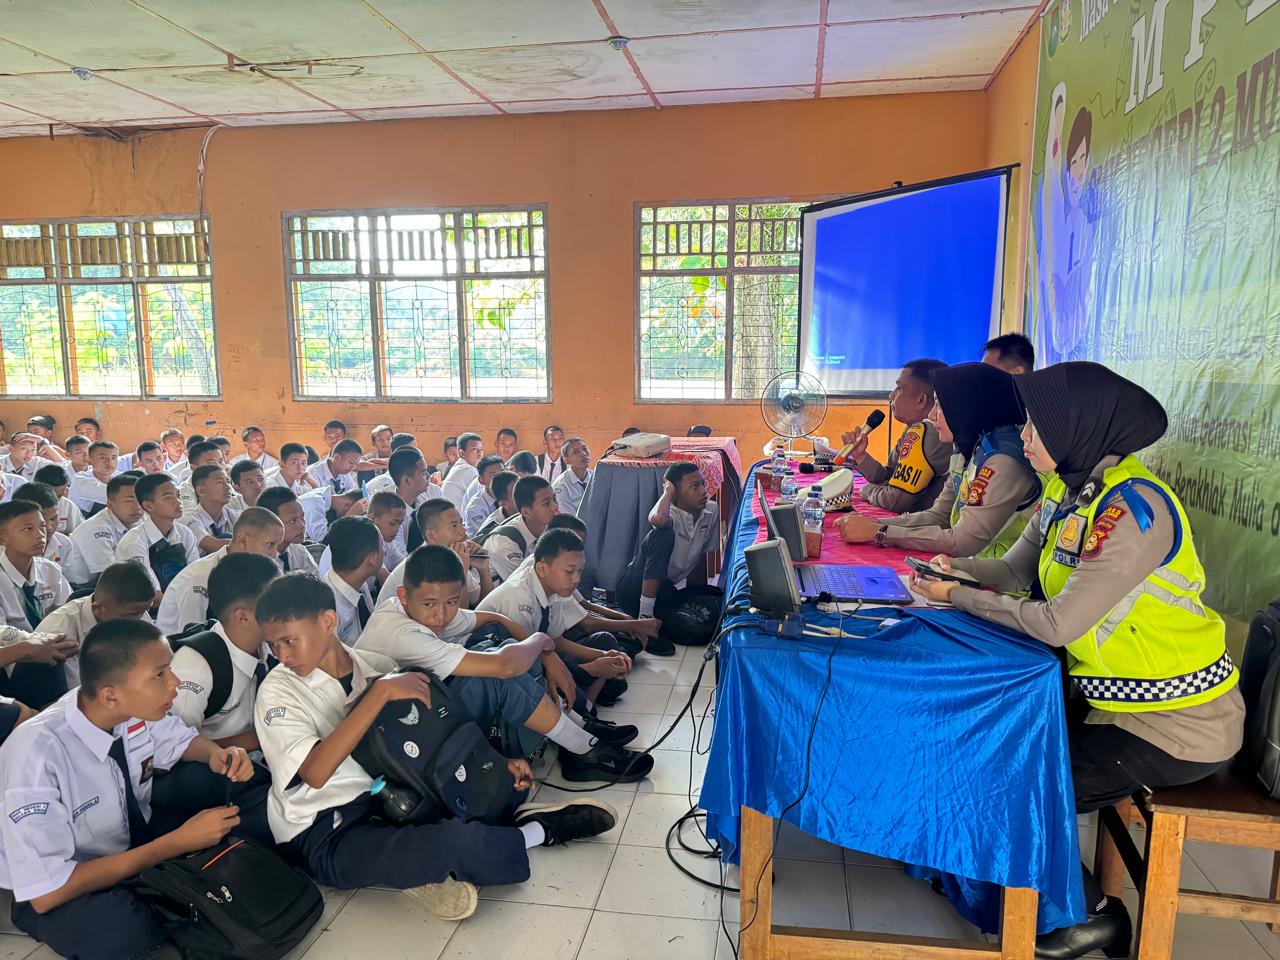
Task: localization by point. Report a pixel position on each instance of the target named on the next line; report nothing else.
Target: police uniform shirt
(504, 553)
(93, 546)
(69, 516)
(322, 473)
(291, 715)
(28, 470)
(348, 602)
(523, 599)
(696, 533)
(202, 524)
(87, 491)
(195, 683)
(393, 633)
(57, 547)
(51, 590)
(461, 474)
(64, 795)
(187, 599)
(296, 558)
(918, 468)
(135, 544)
(569, 491)
(74, 619)
(266, 461)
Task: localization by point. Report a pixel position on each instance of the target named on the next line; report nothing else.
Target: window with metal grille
(107, 308)
(436, 304)
(717, 298)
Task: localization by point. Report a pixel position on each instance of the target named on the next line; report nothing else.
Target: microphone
(874, 420)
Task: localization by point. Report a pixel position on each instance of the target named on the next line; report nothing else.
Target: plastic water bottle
(813, 515)
(789, 486)
(778, 467)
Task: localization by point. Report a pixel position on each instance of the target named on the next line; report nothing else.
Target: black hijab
(1084, 412)
(976, 398)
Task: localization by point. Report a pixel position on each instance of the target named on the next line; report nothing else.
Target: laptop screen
(771, 528)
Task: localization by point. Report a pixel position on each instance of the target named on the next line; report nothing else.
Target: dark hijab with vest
(977, 399)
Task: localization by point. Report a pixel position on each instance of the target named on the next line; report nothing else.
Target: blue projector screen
(911, 272)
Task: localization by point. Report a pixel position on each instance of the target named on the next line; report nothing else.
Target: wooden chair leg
(1018, 924)
(1158, 902)
(755, 910)
(1108, 866)
(1275, 885)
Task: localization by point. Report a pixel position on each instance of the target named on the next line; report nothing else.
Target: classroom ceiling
(74, 65)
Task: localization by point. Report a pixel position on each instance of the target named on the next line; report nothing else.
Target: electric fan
(793, 405)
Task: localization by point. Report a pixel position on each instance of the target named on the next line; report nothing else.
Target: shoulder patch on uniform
(978, 487)
(1102, 527)
(191, 685)
(29, 810)
(87, 805)
(275, 713)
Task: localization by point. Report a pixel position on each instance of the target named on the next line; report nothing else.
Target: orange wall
(1010, 116)
(589, 168)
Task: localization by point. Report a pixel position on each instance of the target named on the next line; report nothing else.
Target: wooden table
(760, 939)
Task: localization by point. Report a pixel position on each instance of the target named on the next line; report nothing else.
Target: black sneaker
(607, 763)
(660, 646)
(608, 732)
(571, 820)
(611, 692)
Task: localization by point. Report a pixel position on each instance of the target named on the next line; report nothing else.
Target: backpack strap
(214, 651)
(508, 529)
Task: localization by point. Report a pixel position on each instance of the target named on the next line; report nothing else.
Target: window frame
(135, 283)
(374, 277)
(728, 271)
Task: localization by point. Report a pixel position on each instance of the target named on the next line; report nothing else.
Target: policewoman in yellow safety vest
(1115, 579)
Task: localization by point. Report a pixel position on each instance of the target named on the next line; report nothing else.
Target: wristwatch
(880, 539)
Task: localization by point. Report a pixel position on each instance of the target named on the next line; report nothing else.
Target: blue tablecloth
(941, 743)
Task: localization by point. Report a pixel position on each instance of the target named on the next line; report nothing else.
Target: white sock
(646, 606)
(534, 834)
(572, 737)
(575, 717)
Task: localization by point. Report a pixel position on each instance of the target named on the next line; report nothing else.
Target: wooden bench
(1222, 809)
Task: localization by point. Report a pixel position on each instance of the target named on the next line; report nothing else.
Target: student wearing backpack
(509, 542)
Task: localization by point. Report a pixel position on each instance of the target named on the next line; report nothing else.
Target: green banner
(1155, 247)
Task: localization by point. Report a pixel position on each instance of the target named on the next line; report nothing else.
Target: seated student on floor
(12, 713)
(551, 460)
(186, 602)
(94, 542)
(79, 815)
(292, 471)
(31, 587)
(1011, 352)
(224, 449)
(89, 489)
(334, 431)
(992, 488)
(160, 543)
(685, 526)
(388, 513)
(506, 443)
(175, 452)
(523, 464)
(57, 546)
(438, 522)
(89, 428)
(464, 470)
(509, 542)
(123, 592)
(294, 556)
(56, 476)
(540, 596)
(22, 458)
(450, 458)
(408, 475)
(149, 457)
(337, 471)
(571, 485)
(255, 450)
(42, 426)
(355, 556)
(77, 448)
(501, 686)
(202, 453)
(311, 712)
(502, 488)
(248, 481)
(1110, 552)
(478, 502)
(212, 519)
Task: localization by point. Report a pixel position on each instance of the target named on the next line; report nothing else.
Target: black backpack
(690, 617)
(508, 529)
(210, 646)
(1259, 759)
(436, 762)
(235, 900)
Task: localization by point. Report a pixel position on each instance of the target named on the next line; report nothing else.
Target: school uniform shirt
(9, 482)
(74, 619)
(69, 516)
(46, 587)
(298, 559)
(384, 483)
(87, 492)
(392, 556)
(28, 470)
(523, 599)
(202, 524)
(93, 546)
(315, 506)
(460, 477)
(195, 683)
(273, 478)
(64, 794)
(393, 633)
(322, 473)
(395, 580)
(569, 491)
(187, 599)
(292, 714)
(696, 533)
(349, 599)
(549, 469)
(504, 553)
(135, 544)
(57, 548)
(266, 461)
(478, 507)
(179, 470)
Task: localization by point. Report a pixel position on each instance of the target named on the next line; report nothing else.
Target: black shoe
(1107, 930)
(660, 646)
(164, 950)
(608, 732)
(607, 763)
(611, 692)
(571, 820)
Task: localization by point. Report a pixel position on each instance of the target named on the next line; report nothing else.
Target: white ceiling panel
(734, 96)
(458, 24)
(14, 59)
(272, 119)
(99, 34)
(62, 96)
(479, 108)
(272, 31)
(842, 10)
(546, 73)
(14, 114)
(590, 103)
(18, 130)
(211, 90)
(920, 48)
(642, 18)
(380, 82)
(875, 88)
(711, 61)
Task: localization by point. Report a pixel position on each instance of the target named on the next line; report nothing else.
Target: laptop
(841, 582)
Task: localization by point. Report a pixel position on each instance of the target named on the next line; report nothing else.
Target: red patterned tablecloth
(709, 453)
(834, 549)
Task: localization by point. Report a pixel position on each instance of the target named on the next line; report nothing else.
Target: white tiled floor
(619, 897)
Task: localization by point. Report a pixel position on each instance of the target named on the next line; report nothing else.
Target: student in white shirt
(255, 450)
(506, 443)
(313, 709)
(335, 431)
(292, 471)
(375, 464)
(160, 543)
(249, 481)
(72, 829)
(124, 591)
(77, 448)
(463, 470)
(337, 471)
(94, 542)
(438, 522)
(57, 546)
(12, 713)
(42, 426)
(571, 485)
(524, 464)
(450, 457)
(21, 458)
(56, 476)
(212, 519)
(503, 490)
(388, 512)
(30, 586)
(186, 602)
(355, 552)
(408, 477)
(224, 447)
(202, 453)
(509, 543)
(478, 502)
(149, 457)
(89, 490)
(294, 556)
(550, 461)
(175, 452)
